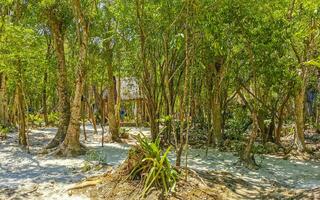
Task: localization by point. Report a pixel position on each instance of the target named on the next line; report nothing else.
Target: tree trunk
(247, 157)
(56, 27)
(21, 109)
(71, 145)
(184, 102)
(92, 117)
(44, 98)
(280, 120)
(217, 120)
(114, 124)
(219, 69)
(299, 118)
(149, 78)
(4, 117)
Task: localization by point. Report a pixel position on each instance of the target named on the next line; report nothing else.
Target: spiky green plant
(153, 166)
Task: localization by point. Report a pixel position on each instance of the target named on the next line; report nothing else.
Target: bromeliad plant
(152, 166)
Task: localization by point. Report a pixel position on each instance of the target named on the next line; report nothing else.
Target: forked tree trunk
(56, 27)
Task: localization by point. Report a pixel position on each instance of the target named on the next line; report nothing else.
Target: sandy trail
(34, 176)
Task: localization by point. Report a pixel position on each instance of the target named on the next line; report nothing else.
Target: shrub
(53, 118)
(35, 119)
(152, 166)
(124, 133)
(4, 131)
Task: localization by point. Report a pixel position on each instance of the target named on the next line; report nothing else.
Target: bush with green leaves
(4, 131)
(53, 118)
(124, 133)
(237, 123)
(35, 119)
(152, 165)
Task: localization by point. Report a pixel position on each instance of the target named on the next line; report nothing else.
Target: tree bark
(21, 109)
(71, 145)
(184, 102)
(114, 124)
(216, 109)
(56, 27)
(44, 98)
(4, 117)
(247, 156)
(149, 78)
(299, 118)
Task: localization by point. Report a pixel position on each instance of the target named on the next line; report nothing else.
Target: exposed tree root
(64, 151)
(84, 184)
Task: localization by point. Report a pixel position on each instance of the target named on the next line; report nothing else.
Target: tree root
(63, 151)
(85, 184)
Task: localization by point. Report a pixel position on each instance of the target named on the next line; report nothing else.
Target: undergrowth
(152, 166)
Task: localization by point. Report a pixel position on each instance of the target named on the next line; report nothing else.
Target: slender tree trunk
(56, 27)
(114, 124)
(44, 98)
(92, 117)
(280, 120)
(149, 75)
(83, 117)
(21, 109)
(4, 117)
(247, 156)
(184, 115)
(216, 107)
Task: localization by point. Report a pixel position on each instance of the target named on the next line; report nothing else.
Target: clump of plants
(94, 160)
(53, 118)
(148, 163)
(124, 133)
(3, 132)
(35, 119)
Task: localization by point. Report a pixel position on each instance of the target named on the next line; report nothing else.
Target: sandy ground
(33, 176)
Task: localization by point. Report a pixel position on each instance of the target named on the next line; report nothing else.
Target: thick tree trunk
(71, 145)
(299, 118)
(56, 27)
(92, 117)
